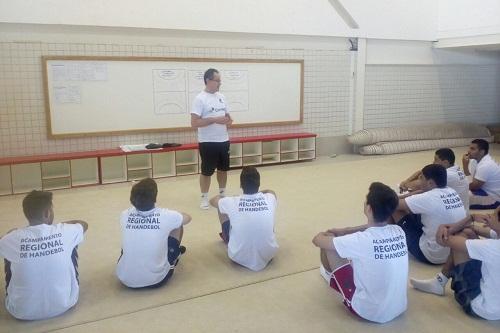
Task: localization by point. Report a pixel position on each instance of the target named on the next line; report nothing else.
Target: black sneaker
(182, 249)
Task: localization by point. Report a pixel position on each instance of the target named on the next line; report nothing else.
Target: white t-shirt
(487, 303)
(207, 105)
(488, 171)
(380, 263)
(437, 206)
(44, 280)
(252, 242)
(144, 261)
(457, 180)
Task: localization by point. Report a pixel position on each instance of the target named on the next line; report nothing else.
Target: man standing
(211, 117)
(485, 184)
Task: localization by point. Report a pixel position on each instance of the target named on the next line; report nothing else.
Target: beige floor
(210, 294)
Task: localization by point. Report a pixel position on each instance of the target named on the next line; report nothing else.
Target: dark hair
(35, 204)
(382, 200)
(209, 74)
(437, 173)
(446, 154)
(482, 145)
(250, 180)
(143, 194)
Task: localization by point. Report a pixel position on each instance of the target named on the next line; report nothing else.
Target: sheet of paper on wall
(67, 94)
(59, 72)
(94, 71)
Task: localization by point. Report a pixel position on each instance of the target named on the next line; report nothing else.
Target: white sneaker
(435, 285)
(204, 203)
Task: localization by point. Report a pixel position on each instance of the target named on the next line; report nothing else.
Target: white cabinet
(235, 155)
(113, 169)
(84, 171)
(80, 169)
(307, 148)
(139, 166)
(163, 164)
(56, 175)
(271, 152)
(26, 177)
(186, 162)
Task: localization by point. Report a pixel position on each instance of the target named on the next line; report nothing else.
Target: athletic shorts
(465, 282)
(214, 155)
(412, 226)
(342, 280)
(479, 199)
(226, 226)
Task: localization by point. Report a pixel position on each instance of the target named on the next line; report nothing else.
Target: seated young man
(473, 266)
(485, 173)
(41, 268)
(436, 205)
(368, 264)
(151, 238)
(248, 222)
(456, 179)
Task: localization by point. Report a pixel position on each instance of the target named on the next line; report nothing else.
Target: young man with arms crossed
(456, 179)
(247, 222)
(420, 214)
(41, 261)
(368, 264)
(151, 238)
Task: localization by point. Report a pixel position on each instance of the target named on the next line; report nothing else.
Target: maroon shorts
(342, 280)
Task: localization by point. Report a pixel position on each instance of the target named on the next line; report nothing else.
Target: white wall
(392, 19)
(464, 18)
(397, 52)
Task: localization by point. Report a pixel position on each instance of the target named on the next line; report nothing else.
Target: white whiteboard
(103, 95)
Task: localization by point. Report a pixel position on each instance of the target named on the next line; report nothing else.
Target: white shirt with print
(144, 261)
(252, 242)
(488, 171)
(44, 279)
(437, 206)
(379, 258)
(487, 303)
(208, 105)
(457, 180)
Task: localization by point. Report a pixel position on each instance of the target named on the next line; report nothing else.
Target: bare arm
(186, 218)
(84, 224)
(324, 240)
(476, 184)
(455, 243)
(214, 202)
(336, 232)
(405, 184)
(197, 121)
(270, 191)
(465, 164)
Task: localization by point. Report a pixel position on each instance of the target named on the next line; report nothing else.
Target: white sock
(204, 195)
(435, 285)
(204, 201)
(222, 191)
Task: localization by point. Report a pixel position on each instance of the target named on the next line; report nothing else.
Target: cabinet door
(26, 177)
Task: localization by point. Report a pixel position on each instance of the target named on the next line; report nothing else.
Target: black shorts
(214, 155)
(465, 282)
(412, 226)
